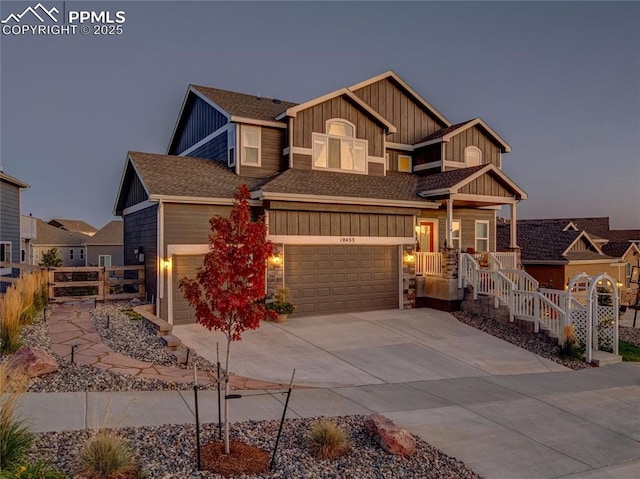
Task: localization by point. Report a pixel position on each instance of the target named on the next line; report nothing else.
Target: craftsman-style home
(366, 191)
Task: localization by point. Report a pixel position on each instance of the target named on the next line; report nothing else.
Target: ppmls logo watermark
(40, 20)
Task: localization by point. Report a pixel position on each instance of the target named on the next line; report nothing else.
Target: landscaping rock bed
(168, 452)
(522, 339)
(629, 335)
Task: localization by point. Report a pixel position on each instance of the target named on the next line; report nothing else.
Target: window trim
(469, 149)
(476, 238)
(101, 257)
(6, 271)
(243, 160)
(81, 254)
(410, 170)
(71, 254)
(339, 121)
(459, 238)
(231, 146)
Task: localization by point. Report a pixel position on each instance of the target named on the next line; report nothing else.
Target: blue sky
(559, 81)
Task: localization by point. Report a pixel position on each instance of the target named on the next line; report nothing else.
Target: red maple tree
(228, 291)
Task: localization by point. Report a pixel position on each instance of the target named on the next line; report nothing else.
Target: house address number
(347, 239)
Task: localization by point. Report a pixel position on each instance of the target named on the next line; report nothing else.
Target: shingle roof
(616, 248)
(394, 186)
(538, 241)
(50, 235)
(598, 226)
(624, 235)
(110, 234)
(242, 104)
(446, 179)
(78, 226)
(442, 132)
(186, 176)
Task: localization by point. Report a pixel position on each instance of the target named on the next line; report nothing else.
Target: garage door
(183, 265)
(332, 279)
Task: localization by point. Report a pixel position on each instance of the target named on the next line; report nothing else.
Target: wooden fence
(86, 283)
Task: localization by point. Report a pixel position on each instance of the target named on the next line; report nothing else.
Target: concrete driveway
(379, 347)
(504, 412)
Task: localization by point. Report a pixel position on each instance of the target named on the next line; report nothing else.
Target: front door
(427, 236)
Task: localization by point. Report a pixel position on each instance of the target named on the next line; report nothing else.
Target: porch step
(172, 342)
(602, 358)
(162, 327)
(181, 355)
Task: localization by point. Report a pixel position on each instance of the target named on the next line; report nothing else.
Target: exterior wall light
(276, 259)
(166, 263)
(410, 258)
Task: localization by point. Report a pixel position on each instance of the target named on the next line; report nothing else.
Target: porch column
(513, 244)
(449, 231)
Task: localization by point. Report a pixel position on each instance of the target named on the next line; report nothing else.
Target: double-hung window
(455, 234)
(71, 254)
(251, 145)
(5, 256)
(104, 260)
(472, 156)
(339, 149)
(482, 236)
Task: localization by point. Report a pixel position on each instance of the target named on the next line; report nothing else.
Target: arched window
(339, 149)
(473, 156)
(341, 128)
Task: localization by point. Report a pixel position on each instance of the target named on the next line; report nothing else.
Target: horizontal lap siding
(10, 218)
(141, 229)
(189, 224)
(485, 185)
(454, 150)
(411, 120)
(94, 252)
(467, 217)
(314, 119)
(199, 119)
(272, 141)
(331, 223)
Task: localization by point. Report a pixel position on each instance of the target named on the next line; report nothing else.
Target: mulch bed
(242, 459)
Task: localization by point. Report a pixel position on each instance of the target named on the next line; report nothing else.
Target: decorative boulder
(391, 437)
(31, 362)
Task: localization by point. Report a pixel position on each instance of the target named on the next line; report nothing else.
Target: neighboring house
(554, 250)
(10, 189)
(76, 226)
(355, 185)
(70, 245)
(105, 247)
(28, 232)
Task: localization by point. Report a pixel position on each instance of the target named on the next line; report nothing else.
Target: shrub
(15, 437)
(32, 470)
(10, 312)
(327, 440)
(280, 303)
(107, 456)
(572, 348)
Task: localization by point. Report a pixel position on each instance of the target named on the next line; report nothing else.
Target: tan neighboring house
(70, 245)
(555, 250)
(105, 247)
(360, 187)
(75, 226)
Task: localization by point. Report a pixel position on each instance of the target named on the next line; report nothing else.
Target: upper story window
(339, 149)
(71, 254)
(251, 145)
(404, 163)
(473, 156)
(231, 142)
(5, 252)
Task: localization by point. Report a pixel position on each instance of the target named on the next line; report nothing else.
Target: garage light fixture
(409, 258)
(276, 259)
(166, 263)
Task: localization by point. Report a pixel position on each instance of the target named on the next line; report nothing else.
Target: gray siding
(115, 251)
(412, 120)
(198, 120)
(10, 218)
(141, 229)
(63, 254)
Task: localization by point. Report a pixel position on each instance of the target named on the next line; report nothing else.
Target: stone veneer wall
(408, 279)
(275, 272)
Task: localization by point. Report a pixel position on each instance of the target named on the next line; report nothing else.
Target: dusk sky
(560, 82)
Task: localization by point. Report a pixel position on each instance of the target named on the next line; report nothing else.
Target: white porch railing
(523, 281)
(429, 264)
(506, 260)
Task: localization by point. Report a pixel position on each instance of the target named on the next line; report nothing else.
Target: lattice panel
(579, 321)
(606, 325)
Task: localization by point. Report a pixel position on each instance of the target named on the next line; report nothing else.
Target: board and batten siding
(215, 149)
(412, 120)
(332, 223)
(141, 229)
(454, 149)
(198, 120)
(467, 217)
(271, 145)
(10, 218)
(136, 192)
(486, 185)
(314, 119)
(189, 224)
(428, 154)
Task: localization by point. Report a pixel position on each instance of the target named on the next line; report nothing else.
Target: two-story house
(360, 188)
(10, 189)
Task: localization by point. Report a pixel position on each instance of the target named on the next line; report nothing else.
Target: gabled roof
(395, 186)
(184, 176)
(243, 104)
(111, 234)
(619, 249)
(48, 235)
(447, 133)
(77, 226)
(582, 236)
(293, 110)
(14, 181)
(449, 182)
(543, 241)
(598, 226)
(405, 86)
(624, 235)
